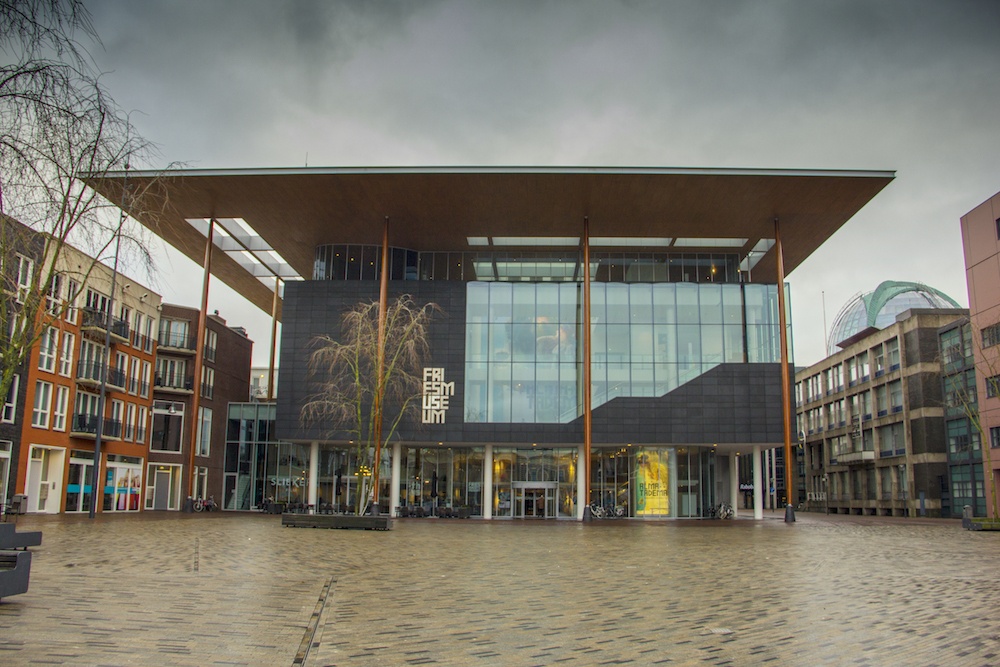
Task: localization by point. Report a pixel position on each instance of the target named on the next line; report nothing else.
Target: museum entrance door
(534, 500)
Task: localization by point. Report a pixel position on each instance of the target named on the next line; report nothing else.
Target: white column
(488, 482)
(581, 483)
(397, 456)
(734, 482)
(773, 483)
(313, 473)
(758, 485)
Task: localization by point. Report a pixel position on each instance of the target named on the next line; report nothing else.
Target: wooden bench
(15, 568)
(11, 539)
(336, 521)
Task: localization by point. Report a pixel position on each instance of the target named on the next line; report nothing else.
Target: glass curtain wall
(442, 477)
(535, 483)
(524, 361)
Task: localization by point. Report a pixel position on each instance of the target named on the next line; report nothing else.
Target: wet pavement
(238, 589)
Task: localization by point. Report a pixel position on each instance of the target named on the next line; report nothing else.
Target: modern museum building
(603, 337)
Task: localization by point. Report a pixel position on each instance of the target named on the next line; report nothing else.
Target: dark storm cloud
(892, 84)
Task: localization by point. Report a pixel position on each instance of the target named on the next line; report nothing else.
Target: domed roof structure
(879, 308)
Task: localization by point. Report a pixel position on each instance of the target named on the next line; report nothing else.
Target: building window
(998, 228)
(207, 381)
(896, 395)
(25, 273)
(994, 437)
(66, 354)
(114, 427)
(991, 335)
(53, 300)
(130, 422)
(43, 404)
(59, 409)
(204, 431)
(133, 376)
(144, 386)
(10, 405)
(200, 482)
(211, 343)
(47, 346)
(168, 426)
(993, 386)
(140, 430)
(72, 291)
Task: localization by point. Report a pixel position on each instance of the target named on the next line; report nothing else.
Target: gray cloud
(897, 84)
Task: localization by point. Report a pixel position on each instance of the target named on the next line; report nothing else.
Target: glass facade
(523, 347)
(364, 262)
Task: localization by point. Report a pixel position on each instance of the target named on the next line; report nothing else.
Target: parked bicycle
(721, 511)
(607, 512)
(206, 505)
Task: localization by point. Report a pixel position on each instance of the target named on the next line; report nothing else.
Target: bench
(10, 538)
(15, 567)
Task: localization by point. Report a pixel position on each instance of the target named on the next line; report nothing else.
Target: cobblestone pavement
(225, 589)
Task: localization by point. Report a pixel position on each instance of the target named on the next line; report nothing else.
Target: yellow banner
(652, 482)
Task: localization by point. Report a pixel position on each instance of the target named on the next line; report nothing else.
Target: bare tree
(58, 128)
(964, 396)
(346, 384)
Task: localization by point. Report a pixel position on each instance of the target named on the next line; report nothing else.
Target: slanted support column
(274, 339)
(786, 382)
(587, 421)
(397, 458)
(488, 482)
(734, 482)
(758, 485)
(383, 294)
(313, 474)
(199, 357)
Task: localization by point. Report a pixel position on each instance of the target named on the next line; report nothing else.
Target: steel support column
(199, 356)
(587, 424)
(383, 294)
(786, 385)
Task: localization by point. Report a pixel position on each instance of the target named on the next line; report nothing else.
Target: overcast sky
(901, 85)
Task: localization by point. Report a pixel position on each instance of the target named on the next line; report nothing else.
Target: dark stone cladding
(731, 403)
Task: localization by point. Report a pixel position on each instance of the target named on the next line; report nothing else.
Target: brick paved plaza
(228, 589)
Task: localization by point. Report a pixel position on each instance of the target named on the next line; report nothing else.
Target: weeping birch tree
(59, 129)
(345, 380)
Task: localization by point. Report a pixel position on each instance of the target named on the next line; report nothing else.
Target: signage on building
(436, 393)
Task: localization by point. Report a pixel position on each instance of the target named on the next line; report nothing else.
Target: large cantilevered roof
(279, 216)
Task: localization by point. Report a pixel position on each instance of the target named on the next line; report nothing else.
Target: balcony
(178, 343)
(175, 384)
(98, 322)
(854, 458)
(85, 426)
(91, 373)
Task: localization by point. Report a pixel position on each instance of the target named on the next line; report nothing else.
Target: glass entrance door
(532, 502)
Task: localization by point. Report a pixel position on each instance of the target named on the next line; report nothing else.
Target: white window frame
(10, 404)
(43, 404)
(211, 344)
(133, 376)
(142, 421)
(129, 430)
(72, 292)
(207, 382)
(60, 407)
(66, 354)
(144, 387)
(48, 348)
(25, 274)
(204, 445)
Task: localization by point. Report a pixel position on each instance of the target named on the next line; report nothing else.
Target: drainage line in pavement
(310, 635)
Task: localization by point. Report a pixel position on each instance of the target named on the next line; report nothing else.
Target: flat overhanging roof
(291, 211)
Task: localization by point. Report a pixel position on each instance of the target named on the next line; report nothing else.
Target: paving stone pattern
(238, 589)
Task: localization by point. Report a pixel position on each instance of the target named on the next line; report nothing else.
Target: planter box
(336, 521)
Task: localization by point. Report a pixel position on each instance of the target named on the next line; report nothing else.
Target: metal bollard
(789, 513)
